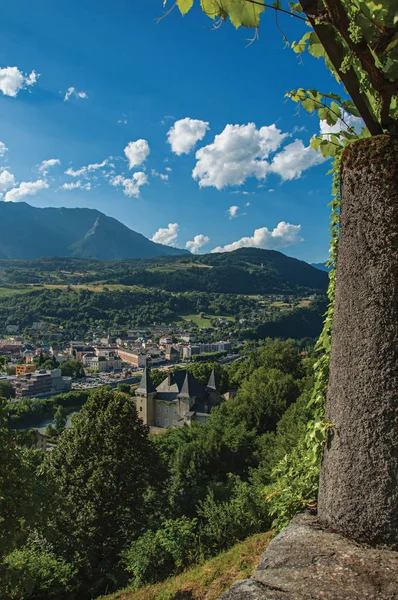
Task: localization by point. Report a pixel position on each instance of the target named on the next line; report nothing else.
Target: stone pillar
(359, 476)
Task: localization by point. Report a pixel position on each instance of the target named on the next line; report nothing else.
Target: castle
(178, 400)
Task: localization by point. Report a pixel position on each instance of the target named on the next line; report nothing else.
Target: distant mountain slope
(247, 271)
(28, 232)
(321, 266)
(243, 271)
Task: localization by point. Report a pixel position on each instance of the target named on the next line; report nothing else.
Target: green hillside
(247, 271)
(207, 581)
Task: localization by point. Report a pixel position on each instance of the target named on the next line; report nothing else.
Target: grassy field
(204, 321)
(12, 291)
(92, 287)
(207, 581)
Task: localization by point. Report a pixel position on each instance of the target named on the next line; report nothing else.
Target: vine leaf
(184, 5)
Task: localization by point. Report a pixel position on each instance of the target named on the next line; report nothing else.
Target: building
(78, 351)
(10, 348)
(136, 358)
(87, 358)
(27, 368)
(105, 364)
(178, 400)
(172, 355)
(41, 383)
(187, 337)
(155, 357)
(192, 350)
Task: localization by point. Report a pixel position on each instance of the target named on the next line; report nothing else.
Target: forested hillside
(244, 271)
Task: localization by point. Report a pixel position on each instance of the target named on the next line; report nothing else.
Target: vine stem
(287, 12)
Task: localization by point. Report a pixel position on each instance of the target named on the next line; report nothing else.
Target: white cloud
(131, 187)
(237, 153)
(26, 188)
(83, 171)
(169, 169)
(294, 159)
(76, 185)
(167, 235)
(7, 180)
(73, 92)
(282, 236)
(47, 164)
(184, 134)
(197, 242)
(137, 152)
(12, 81)
(233, 211)
(248, 204)
(3, 149)
(162, 176)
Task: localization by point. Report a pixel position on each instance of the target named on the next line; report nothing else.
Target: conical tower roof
(191, 387)
(211, 384)
(146, 386)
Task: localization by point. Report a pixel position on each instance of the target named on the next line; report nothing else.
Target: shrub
(158, 554)
(35, 572)
(225, 523)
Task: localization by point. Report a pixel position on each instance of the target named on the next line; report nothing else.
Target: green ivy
(296, 477)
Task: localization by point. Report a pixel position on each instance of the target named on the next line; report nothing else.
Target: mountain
(248, 271)
(243, 271)
(321, 266)
(28, 232)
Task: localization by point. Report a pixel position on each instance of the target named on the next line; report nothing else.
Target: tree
(60, 418)
(103, 466)
(358, 41)
(6, 390)
(25, 494)
(3, 362)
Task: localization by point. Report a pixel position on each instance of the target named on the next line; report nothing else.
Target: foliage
(158, 554)
(6, 390)
(60, 418)
(72, 368)
(30, 411)
(103, 467)
(357, 39)
(226, 522)
(297, 323)
(25, 495)
(298, 472)
(35, 572)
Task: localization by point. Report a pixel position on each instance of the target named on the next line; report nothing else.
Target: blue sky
(174, 85)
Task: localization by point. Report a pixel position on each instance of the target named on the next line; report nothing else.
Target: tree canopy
(358, 39)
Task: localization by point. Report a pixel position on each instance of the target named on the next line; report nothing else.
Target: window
(175, 410)
(157, 421)
(166, 422)
(166, 409)
(140, 408)
(159, 408)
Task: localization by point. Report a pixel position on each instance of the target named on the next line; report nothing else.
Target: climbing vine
(297, 475)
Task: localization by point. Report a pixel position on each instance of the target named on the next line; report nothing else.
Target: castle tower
(145, 394)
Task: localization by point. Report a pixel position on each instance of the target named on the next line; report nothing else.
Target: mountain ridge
(29, 232)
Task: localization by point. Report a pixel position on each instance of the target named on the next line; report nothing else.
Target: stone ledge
(305, 562)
